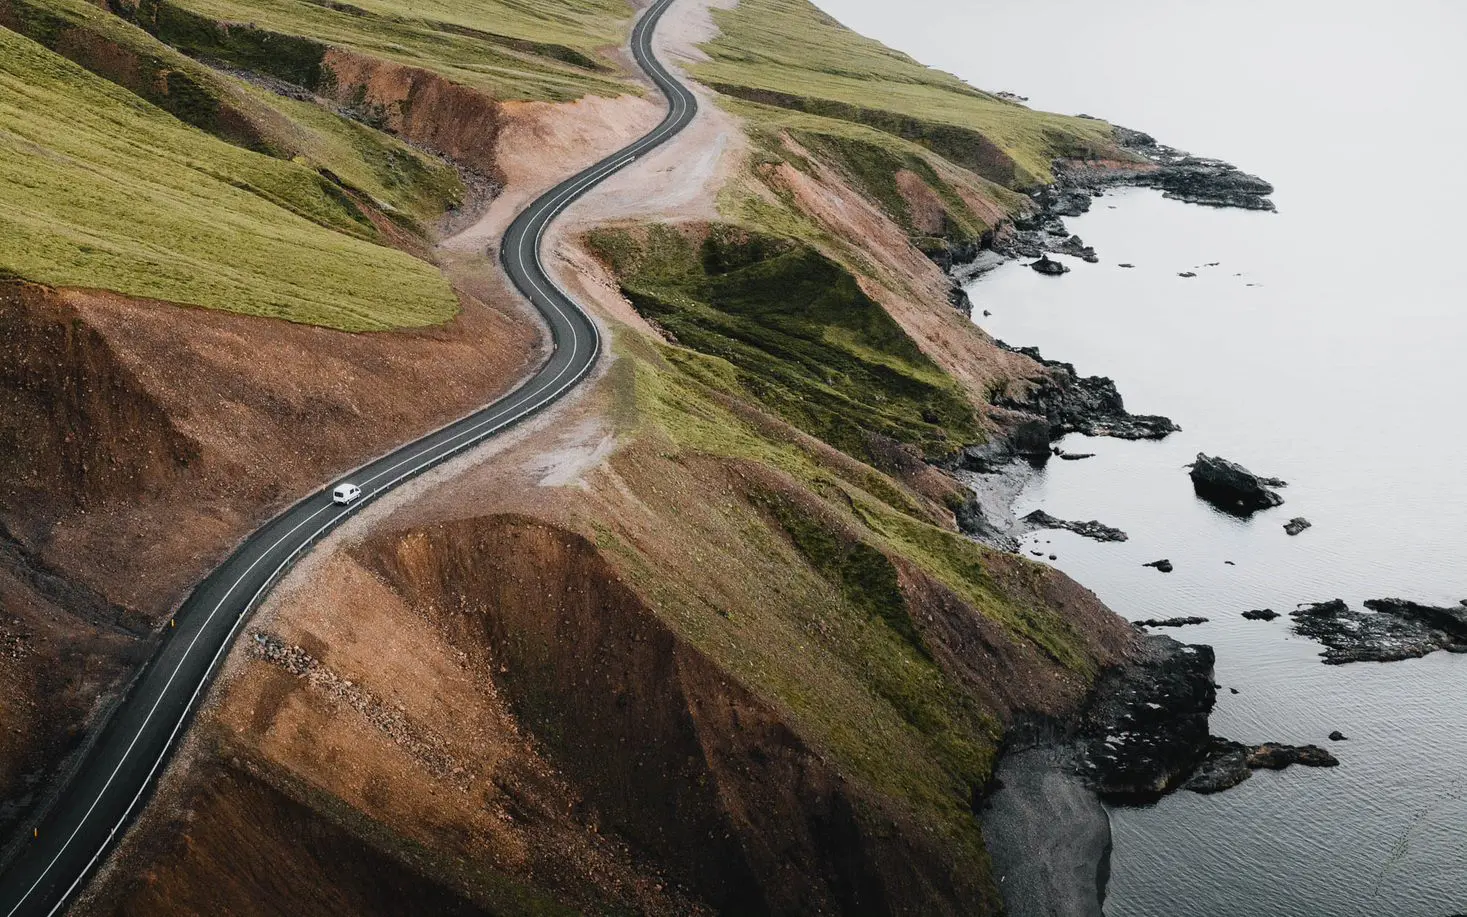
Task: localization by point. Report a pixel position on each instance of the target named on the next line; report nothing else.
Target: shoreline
(1040, 870)
(1046, 825)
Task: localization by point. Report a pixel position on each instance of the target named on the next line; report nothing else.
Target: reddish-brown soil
(139, 441)
(670, 753)
(269, 855)
(422, 107)
(911, 288)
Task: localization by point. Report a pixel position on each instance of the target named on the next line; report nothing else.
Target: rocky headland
(1089, 405)
(1144, 734)
(1176, 174)
(1032, 415)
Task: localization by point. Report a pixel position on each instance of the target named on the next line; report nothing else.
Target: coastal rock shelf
(1098, 531)
(1178, 175)
(1147, 732)
(1228, 763)
(1397, 629)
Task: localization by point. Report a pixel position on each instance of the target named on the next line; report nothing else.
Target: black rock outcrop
(1395, 629)
(1261, 614)
(1048, 266)
(957, 297)
(1171, 622)
(1177, 175)
(1296, 525)
(1098, 531)
(1164, 565)
(1147, 729)
(1228, 764)
(1081, 404)
(1231, 487)
(1451, 620)
(1076, 247)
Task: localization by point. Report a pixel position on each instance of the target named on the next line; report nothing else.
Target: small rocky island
(1231, 487)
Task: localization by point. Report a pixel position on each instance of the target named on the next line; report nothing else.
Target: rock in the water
(1228, 764)
(1452, 621)
(1224, 767)
(1185, 274)
(1125, 265)
(1337, 736)
(1071, 456)
(1231, 487)
(1296, 525)
(1039, 519)
(1397, 629)
(1048, 266)
(1076, 247)
(1148, 728)
(1276, 757)
(1171, 622)
(1164, 565)
(1261, 614)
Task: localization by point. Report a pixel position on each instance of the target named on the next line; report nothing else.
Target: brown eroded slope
(141, 440)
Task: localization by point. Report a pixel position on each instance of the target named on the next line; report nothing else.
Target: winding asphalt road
(118, 771)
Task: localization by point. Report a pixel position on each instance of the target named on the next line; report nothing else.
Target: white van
(345, 493)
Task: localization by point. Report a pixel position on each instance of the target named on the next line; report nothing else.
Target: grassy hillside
(101, 189)
(550, 52)
(788, 54)
(800, 336)
(397, 178)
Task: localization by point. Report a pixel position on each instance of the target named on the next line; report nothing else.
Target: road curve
(118, 771)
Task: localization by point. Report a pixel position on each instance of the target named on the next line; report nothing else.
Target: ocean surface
(1328, 347)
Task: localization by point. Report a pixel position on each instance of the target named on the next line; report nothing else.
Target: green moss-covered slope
(397, 178)
(548, 52)
(801, 336)
(788, 54)
(101, 189)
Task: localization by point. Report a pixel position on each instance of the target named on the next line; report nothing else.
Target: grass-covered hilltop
(705, 638)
